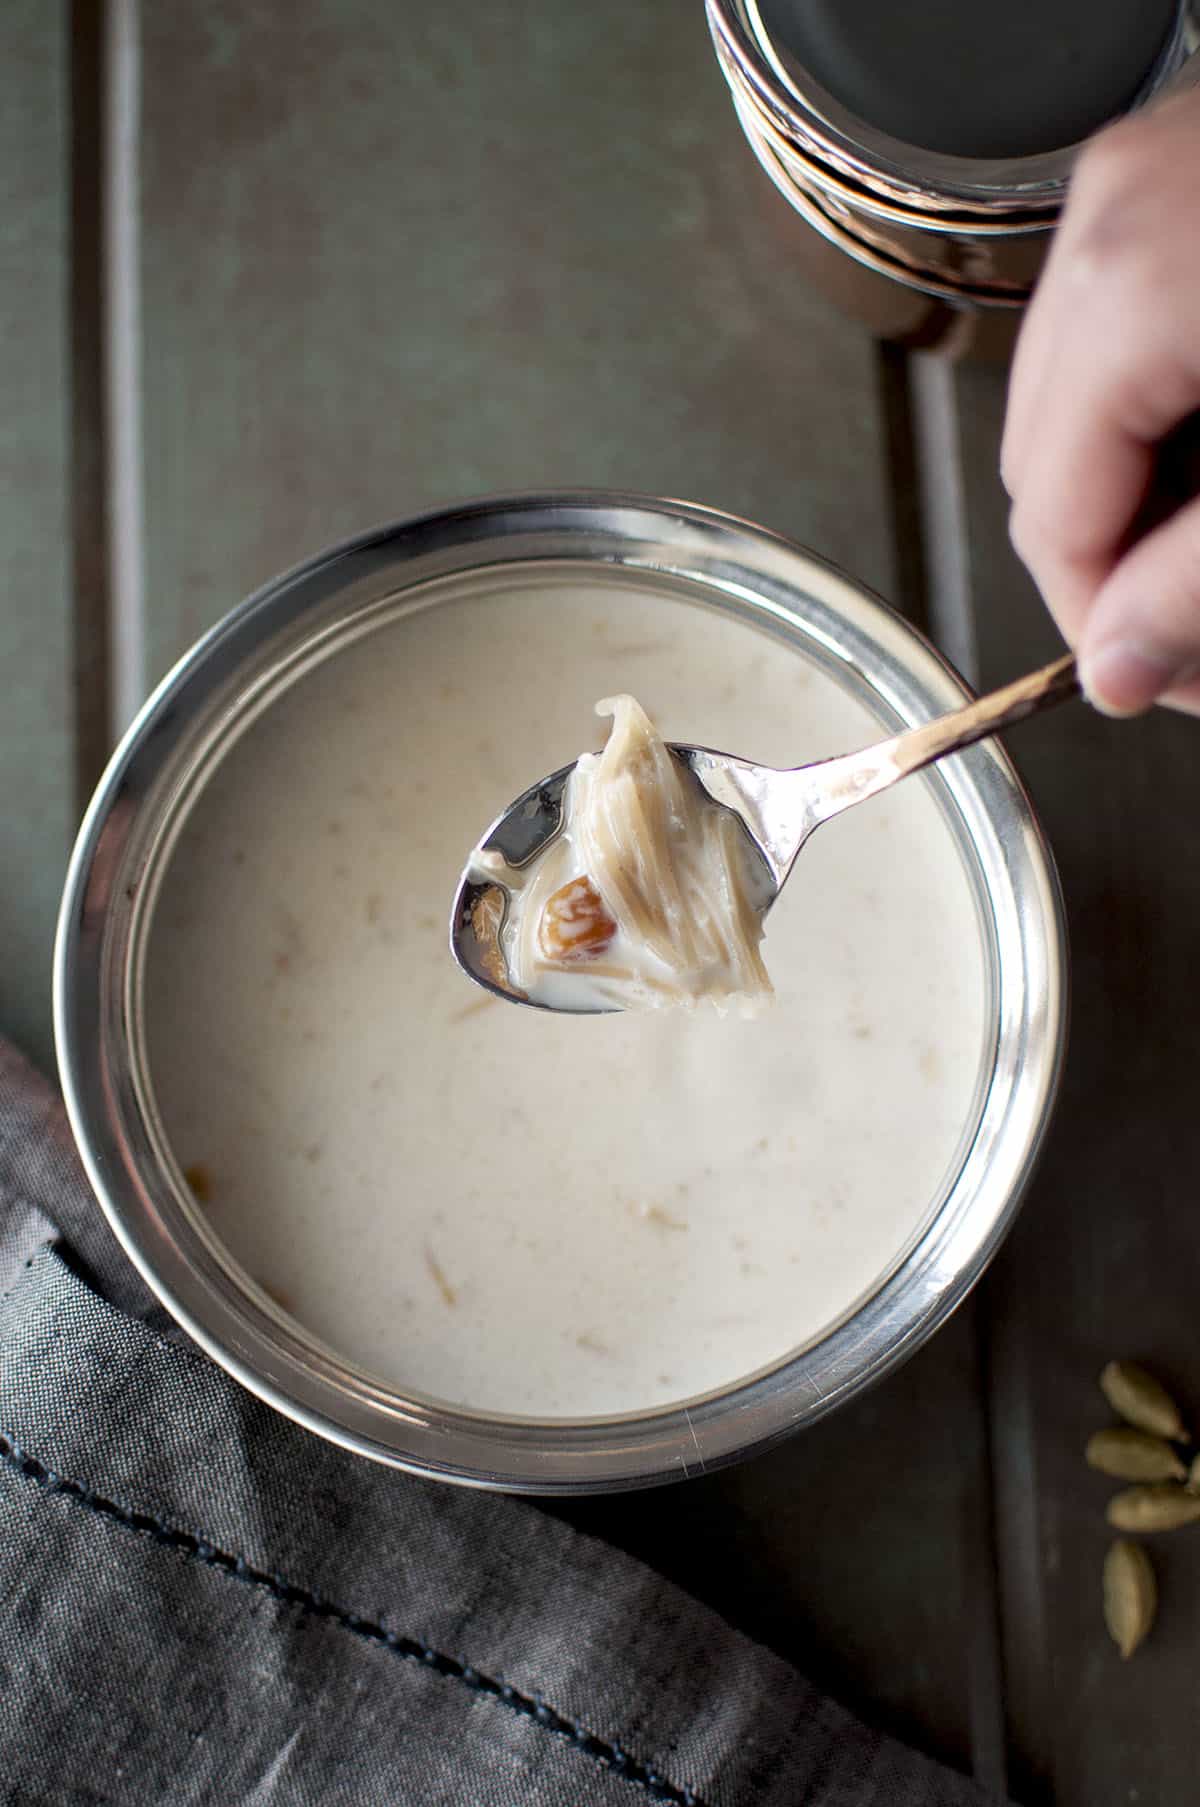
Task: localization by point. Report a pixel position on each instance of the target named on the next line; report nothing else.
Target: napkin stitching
(525, 1706)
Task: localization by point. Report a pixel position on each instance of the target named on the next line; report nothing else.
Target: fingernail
(1121, 678)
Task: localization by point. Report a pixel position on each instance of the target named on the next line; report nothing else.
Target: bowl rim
(734, 565)
(814, 120)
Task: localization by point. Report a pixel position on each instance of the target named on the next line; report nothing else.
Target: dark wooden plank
(389, 260)
(93, 725)
(859, 1550)
(37, 747)
(1105, 1260)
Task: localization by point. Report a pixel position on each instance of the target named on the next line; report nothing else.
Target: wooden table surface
(271, 274)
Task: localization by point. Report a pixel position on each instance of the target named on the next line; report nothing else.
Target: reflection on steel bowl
(963, 229)
(546, 1254)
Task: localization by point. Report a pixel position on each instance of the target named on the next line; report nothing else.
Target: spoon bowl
(778, 809)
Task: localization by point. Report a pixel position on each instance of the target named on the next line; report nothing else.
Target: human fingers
(1113, 359)
(1141, 640)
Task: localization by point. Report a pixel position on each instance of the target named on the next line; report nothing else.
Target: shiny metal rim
(909, 273)
(818, 124)
(724, 563)
(808, 172)
(906, 204)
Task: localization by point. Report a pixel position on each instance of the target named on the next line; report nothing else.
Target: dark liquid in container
(970, 79)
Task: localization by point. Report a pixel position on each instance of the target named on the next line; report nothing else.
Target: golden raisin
(575, 924)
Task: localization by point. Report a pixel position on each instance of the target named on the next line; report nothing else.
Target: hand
(1108, 364)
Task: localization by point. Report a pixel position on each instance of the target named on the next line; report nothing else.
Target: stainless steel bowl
(235, 673)
(968, 230)
(976, 263)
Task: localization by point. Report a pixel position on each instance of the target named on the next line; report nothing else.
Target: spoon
(779, 809)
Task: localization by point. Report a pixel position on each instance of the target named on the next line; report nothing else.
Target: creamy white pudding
(555, 1216)
(648, 898)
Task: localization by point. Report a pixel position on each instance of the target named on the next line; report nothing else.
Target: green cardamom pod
(1141, 1400)
(1130, 1594)
(1156, 1506)
(1132, 1455)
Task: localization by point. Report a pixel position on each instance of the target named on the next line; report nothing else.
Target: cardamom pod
(1133, 1455)
(1141, 1400)
(1130, 1594)
(1157, 1506)
(1193, 1480)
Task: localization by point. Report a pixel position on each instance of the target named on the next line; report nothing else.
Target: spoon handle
(857, 776)
(1038, 690)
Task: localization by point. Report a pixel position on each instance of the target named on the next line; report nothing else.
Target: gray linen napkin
(206, 1606)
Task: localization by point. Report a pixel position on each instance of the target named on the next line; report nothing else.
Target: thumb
(1142, 634)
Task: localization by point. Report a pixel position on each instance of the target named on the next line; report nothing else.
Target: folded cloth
(206, 1606)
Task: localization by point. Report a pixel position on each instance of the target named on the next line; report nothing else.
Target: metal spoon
(778, 809)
